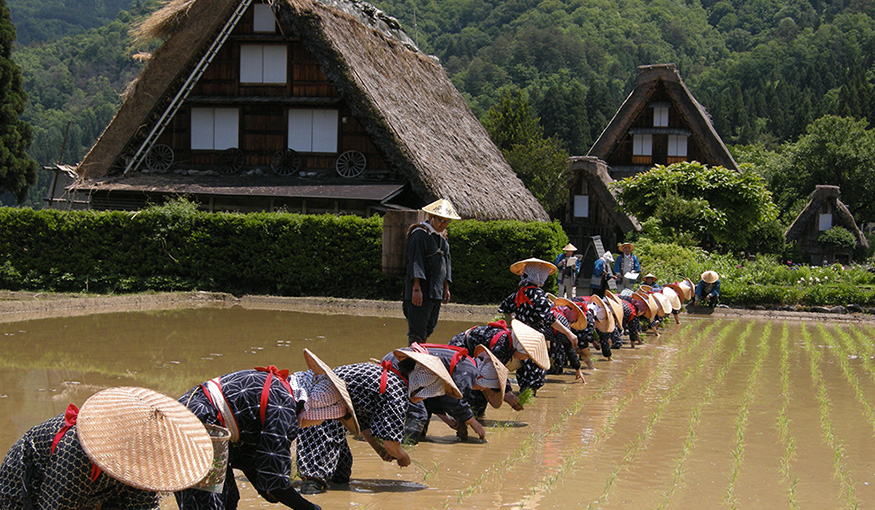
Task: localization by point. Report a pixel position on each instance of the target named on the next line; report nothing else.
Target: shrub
(837, 238)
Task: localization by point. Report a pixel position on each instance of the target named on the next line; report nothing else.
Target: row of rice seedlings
(839, 466)
(571, 458)
(864, 341)
(783, 423)
(845, 366)
(741, 420)
(695, 416)
(644, 437)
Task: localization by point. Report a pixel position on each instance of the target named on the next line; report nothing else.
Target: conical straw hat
(517, 267)
(495, 397)
(615, 305)
(662, 301)
(672, 296)
(710, 276)
(569, 247)
(319, 367)
(645, 288)
(443, 209)
(434, 365)
(689, 288)
(678, 290)
(580, 323)
(606, 324)
(650, 302)
(144, 439)
(533, 343)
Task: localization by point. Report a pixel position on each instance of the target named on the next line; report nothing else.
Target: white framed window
(824, 222)
(642, 145)
(660, 116)
(677, 146)
(313, 130)
(263, 19)
(214, 128)
(263, 63)
(581, 206)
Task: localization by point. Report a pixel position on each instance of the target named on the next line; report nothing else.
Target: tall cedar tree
(17, 170)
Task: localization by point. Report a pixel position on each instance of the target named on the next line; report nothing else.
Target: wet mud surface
(730, 410)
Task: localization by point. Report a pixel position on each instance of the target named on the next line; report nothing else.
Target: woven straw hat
(689, 288)
(664, 306)
(518, 267)
(672, 296)
(144, 439)
(495, 397)
(710, 276)
(649, 275)
(434, 365)
(580, 323)
(319, 367)
(569, 247)
(443, 209)
(630, 245)
(678, 290)
(645, 288)
(615, 305)
(649, 301)
(607, 324)
(533, 343)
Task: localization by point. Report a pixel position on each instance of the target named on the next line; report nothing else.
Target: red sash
(504, 331)
(521, 297)
(459, 354)
(384, 377)
(69, 421)
(272, 371)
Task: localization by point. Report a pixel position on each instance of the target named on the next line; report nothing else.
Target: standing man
(568, 266)
(429, 273)
(626, 263)
(601, 274)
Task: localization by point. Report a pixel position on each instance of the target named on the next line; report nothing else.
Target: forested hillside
(764, 70)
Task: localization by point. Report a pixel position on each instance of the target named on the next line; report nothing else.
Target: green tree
(834, 150)
(538, 161)
(17, 170)
(713, 204)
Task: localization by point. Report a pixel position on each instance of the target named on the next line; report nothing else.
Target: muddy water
(737, 413)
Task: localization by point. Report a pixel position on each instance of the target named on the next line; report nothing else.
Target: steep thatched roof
(649, 78)
(403, 98)
(595, 171)
(824, 194)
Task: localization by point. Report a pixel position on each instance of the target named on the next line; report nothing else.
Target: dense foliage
(711, 205)
(17, 170)
(764, 70)
(177, 247)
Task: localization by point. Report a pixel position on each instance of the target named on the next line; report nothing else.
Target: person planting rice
(483, 373)
(123, 445)
(380, 394)
(672, 295)
(605, 325)
(615, 306)
(509, 345)
(638, 320)
(265, 409)
(650, 281)
(530, 305)
(708, 289)
(561, 351)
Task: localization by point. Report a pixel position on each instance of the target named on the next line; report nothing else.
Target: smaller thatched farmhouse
(660, 122)
(302, 105)
(823, 212)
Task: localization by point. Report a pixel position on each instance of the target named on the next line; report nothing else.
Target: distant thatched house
(660, 122)
(824, 211)
(304, 105)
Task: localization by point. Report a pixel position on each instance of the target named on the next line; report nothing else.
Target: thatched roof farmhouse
(304, 105)
(824, 211)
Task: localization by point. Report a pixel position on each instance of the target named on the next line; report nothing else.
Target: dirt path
(18, 306)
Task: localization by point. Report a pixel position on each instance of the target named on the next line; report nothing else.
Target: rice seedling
(695, 416)
(842, 472)
(570, 459)
(845, 366)
(526, 396)
(783, 423)
(741, 419)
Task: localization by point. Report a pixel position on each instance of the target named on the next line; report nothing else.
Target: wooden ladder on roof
(183, 91)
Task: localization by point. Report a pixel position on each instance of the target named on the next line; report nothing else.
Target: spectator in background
(429, 272)
(627, 268)
(568, 266)
(601, 274)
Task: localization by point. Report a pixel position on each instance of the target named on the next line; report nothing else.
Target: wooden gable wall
(263, 108)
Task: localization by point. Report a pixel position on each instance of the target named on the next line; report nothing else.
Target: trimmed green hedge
(177, 247)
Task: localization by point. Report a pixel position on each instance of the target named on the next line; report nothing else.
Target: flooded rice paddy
(730, 413)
